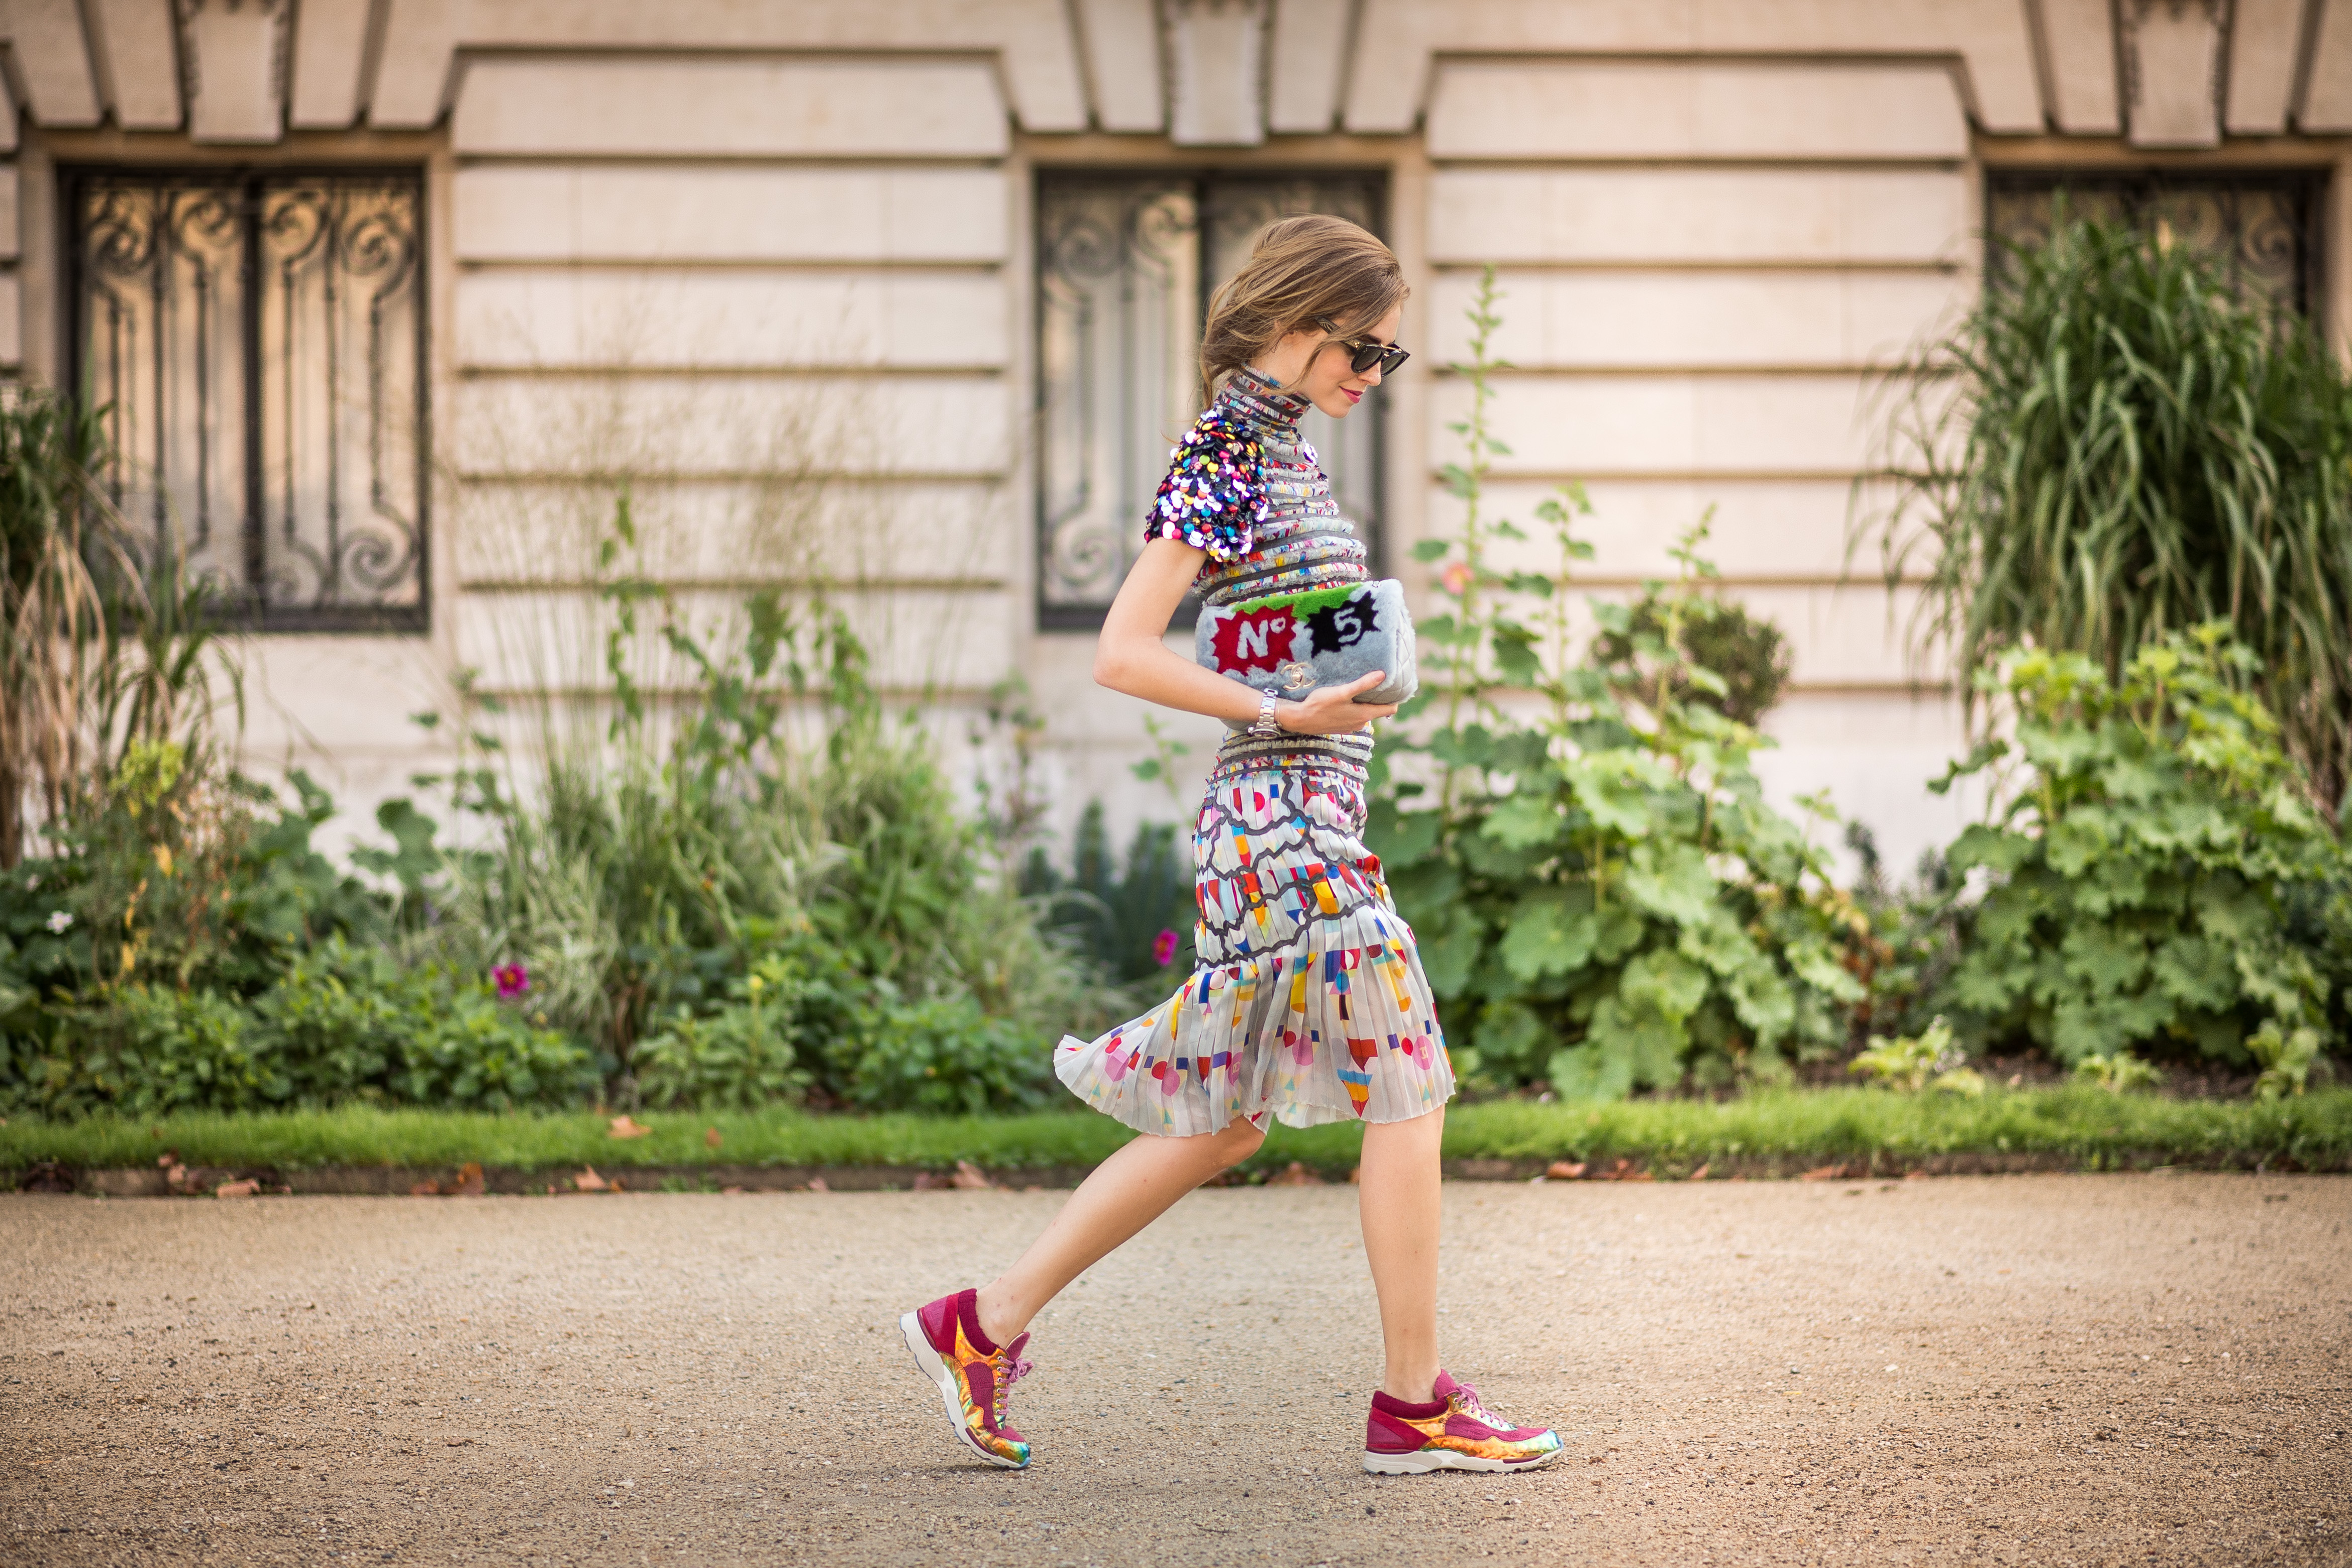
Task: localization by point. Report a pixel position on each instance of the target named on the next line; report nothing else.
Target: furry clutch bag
(1291, 643)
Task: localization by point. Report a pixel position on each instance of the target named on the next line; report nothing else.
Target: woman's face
(1319, 372)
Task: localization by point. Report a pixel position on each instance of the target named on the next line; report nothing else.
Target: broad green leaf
(1523, 822)
(1671, 881)
(1551, 932)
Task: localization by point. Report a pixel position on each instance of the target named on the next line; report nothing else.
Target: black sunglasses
(1365, 352)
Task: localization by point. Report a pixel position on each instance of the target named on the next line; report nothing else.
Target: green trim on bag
(1304, 601)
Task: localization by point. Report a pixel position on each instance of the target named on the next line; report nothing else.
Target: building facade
(392, 300)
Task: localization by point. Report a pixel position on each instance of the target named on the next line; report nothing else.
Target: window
(1125, 266)
(2263, 228)
(258, 340)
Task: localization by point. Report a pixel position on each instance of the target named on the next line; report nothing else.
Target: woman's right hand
(1334, 710)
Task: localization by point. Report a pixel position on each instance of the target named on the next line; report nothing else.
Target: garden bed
(1842, 1132)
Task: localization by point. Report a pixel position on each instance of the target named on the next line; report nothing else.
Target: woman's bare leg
(1398, 1199)
(1126, 1193)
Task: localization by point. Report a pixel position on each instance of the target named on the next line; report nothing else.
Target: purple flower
(1163, 948)
(512, 979)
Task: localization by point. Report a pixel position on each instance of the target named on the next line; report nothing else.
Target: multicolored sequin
(1309, 1003)
(1214, 497)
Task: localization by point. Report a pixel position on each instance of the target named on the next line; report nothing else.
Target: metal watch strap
(1268, 726)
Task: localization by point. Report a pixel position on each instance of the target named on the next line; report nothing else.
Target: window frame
(247, 609)
(2311, 186)
(1379, 188)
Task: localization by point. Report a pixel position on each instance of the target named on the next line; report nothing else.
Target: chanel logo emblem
(1297, 673)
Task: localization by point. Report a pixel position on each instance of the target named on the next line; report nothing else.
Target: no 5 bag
(1293, 642)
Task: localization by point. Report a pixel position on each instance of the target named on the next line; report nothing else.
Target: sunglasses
(1363, 353)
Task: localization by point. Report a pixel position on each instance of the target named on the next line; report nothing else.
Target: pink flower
(512, 979)
(1456, 577)
(1163, 948)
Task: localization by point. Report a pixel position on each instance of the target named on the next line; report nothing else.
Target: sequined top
(1246, 486)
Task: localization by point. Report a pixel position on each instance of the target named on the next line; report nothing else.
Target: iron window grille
(257, 338)
(1126, 263)
(2262, 227)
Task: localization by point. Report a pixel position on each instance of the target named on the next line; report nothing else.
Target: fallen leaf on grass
(589, 1181)
(816, 1184)
(969, 1178)
(1564, 1170)
(731, 1192)
(245, 1188)
(1297, 1175)
(1823, 1173)
(623, 1127)
(1699, 1174)
(425, 1189)
(711, 1138)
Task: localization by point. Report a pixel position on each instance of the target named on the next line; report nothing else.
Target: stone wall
(769, 260)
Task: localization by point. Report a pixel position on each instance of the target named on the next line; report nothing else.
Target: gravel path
(2054, 1369)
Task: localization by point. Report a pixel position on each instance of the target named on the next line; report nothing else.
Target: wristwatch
(1266, 727)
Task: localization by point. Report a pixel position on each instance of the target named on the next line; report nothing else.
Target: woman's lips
(1353, 396)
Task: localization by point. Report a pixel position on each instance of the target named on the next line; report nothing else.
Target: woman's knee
(1237, 1142)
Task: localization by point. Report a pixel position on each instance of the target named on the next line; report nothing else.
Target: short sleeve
(1215, 495)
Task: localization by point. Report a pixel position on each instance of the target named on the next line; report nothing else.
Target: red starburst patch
(1259, 640)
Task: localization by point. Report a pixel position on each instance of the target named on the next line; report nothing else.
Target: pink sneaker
(971, 1373)
(1452, 1432)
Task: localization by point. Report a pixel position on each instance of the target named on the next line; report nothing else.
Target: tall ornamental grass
(2113, 448)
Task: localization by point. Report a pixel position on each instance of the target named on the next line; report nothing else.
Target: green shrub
(946, 1055)
(344, 1022)
(2152, 873)
(1603, 898)
(188, 876)
(147, 1048)
(2113, 448)
(1748, 653)
(749, 1052)
(1136, 921)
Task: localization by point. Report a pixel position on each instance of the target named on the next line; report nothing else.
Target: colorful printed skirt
(1309, 1003)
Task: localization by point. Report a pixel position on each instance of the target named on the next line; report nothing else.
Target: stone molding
(233, 56)
(2166, 73)
(2171, 68)
(1216, 71)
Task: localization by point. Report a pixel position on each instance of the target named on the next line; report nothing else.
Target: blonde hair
(1315, 270)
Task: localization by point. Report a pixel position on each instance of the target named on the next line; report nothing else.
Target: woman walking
(1309, 1003)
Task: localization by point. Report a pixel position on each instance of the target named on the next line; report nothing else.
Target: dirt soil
(2110, 1370)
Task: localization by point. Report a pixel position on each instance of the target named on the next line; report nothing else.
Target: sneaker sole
(935, 1367)
(1422, 1461)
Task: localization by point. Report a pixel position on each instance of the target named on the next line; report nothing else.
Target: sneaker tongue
(1444, 1386)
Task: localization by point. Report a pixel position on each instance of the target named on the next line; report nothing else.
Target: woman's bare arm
(1131, 658)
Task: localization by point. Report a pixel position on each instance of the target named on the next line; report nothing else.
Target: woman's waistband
(1349, 757)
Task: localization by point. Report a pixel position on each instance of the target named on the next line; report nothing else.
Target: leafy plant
(1914, 1063)
(1135, 921)
(2113, 449)
(1748, 655)
(2119, 1072)
(2152, 872)
(1603, 898)
(2286, 1059)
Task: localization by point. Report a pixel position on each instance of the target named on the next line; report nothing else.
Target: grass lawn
(2085, 1128)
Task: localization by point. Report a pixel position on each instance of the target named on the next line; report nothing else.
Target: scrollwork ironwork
(1125, 264)
(2262, 228)
(258, 340)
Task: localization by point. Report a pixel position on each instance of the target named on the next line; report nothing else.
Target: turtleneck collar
(1261, 399)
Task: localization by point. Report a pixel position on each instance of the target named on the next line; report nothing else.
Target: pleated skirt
(1307, 1005)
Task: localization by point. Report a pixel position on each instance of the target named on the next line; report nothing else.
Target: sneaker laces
(1465, 1399)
